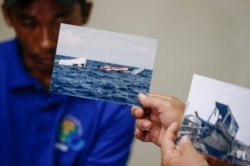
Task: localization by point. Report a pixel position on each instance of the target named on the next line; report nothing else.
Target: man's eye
(29, 24)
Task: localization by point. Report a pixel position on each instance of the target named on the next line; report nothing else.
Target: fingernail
(146, 130)
(142, 96)
(185, 139)
(145, 125)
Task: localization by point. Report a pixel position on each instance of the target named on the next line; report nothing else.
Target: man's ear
(6, 15)
(86, 10)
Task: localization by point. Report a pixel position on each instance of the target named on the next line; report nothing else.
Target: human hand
(181, 155)
(157, 114)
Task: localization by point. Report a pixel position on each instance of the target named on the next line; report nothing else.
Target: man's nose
(48, 37)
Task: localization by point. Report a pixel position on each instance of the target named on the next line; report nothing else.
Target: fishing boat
(216, 137)
(111, 68)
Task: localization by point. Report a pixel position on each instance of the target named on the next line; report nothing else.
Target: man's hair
(9, 3)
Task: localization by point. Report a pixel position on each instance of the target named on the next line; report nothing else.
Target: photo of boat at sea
(216, 120)
(102, 65)
(94, 80)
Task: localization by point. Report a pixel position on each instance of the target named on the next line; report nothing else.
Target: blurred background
(208, 37)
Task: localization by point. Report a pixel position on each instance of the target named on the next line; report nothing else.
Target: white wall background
(207, 37)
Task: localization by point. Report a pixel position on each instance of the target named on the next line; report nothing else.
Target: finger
(137, 112)
(172, 131)
(143, 124)
(139, 134)
(210, 159)
(168, 144)
(168, 148)
(216, 162)
(186, 145)
(221, 163)
(142, 135)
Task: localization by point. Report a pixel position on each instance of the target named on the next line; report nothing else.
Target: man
(159, 124)
(39, 128)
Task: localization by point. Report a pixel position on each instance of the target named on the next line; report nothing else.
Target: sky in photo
(105, 46)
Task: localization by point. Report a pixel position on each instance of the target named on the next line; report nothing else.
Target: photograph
(102, 65)
(217, 120)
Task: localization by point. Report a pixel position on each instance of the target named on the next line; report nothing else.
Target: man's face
(37, 28)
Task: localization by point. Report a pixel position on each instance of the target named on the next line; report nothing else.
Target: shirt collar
(19, 77)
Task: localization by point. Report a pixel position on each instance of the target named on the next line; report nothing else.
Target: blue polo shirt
(39, 128)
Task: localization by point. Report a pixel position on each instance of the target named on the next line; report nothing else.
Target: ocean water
(93, 83)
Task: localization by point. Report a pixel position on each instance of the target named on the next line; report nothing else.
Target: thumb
(186, 145)
(168, 141)
(152, 102)
(142, 98)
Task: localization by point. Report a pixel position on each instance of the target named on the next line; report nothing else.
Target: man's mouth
(47, 61)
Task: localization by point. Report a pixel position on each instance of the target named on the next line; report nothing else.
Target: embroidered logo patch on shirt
(70, 132)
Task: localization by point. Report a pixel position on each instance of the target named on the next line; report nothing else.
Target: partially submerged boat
(80, 62)
(137, 71)
(121, 69)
